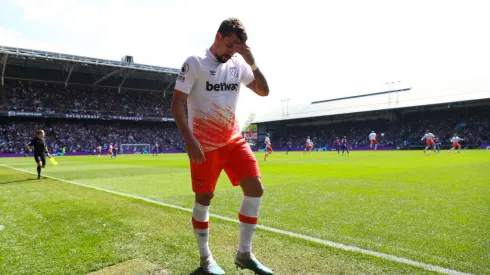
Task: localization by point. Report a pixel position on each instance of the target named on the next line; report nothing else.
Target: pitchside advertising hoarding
(81, 116)
(250, 135)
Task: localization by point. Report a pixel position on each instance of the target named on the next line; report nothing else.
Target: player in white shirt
(429, 140)
(455, 140)
(210, 84)
(268, 145)
(99, 150)
(372, 140)
(308, 145)
(109, 151)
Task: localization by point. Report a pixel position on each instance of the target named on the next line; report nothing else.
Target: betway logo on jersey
(221, 87)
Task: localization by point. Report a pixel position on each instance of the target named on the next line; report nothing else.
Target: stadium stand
(28, 96)
(402, 128)
(85, 136)
(82, 102)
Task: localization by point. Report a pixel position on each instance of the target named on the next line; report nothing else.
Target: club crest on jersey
(234, 71)
(212, 72)
(221, 87)
(185, 69)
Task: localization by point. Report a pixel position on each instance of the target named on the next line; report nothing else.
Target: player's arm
(259, 83)
(194, 149)
(178, 111)
(29, 146)
(183, 86)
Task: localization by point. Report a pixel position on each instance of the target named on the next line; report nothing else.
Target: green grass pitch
(432, 209)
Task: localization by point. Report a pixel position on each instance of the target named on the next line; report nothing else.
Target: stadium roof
(17, 63)
(385, 100)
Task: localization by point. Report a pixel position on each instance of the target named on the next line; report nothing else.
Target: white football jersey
(455, 139)
(267, 141)
(372, 136)
(428, 136)
(308, 141)
(213, 90)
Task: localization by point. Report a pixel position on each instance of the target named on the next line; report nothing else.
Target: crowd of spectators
(400, 129)
(403, 132)
(81, 137)
(30, 96)
(77, 136)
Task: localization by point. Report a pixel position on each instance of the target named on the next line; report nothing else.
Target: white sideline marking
(381, 255)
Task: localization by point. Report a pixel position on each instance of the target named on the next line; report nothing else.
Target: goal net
(135, 148)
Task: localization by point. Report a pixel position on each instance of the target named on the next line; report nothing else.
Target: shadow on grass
(198, 271)
(15, 181)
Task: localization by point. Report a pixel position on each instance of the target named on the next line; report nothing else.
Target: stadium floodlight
(139, 148)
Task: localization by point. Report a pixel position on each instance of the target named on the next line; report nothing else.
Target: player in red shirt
(210, 84)
(336, 143)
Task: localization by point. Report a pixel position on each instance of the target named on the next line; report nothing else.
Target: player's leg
(459, 148)
(375, 146)
(269, 151)
(43, 164)
(242, 169)
(39, 164)
(347, 149)
(43, 161)
(204, 177)
(371, 145)
(248, 216)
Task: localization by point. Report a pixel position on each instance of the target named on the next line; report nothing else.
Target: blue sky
(309, 50)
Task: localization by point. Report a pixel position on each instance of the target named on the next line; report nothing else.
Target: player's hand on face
(245, 51)
(195, 151)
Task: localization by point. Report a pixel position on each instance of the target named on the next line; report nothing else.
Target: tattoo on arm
(260, 83)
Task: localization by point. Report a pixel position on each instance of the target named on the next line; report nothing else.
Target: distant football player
(373, 141)
(455, 140)
(268, 146)
(40, 150)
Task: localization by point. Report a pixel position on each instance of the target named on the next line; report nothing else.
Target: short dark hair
(231, 26)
